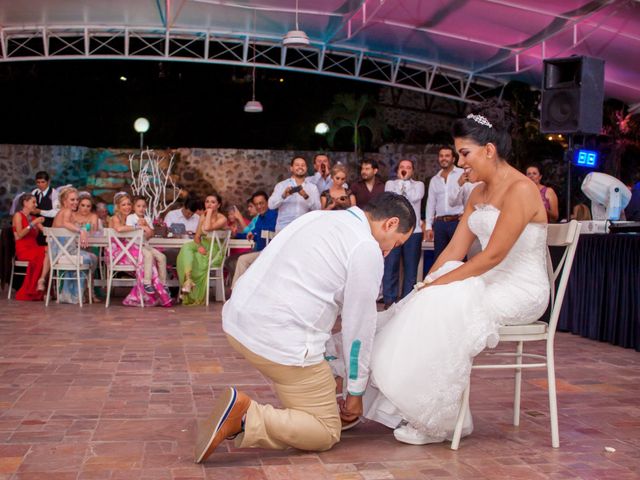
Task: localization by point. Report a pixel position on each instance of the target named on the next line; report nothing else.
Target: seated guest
(294, 196)
(25, 230)
(337, 197)
(84, 217)
(266, 221)
(193, 259)
(235, 221)
(253, 215)
(186, 215)
(159, 296)
(241, 234)
(369, 185)
(103, 215)
(139, 219)
(65, 219)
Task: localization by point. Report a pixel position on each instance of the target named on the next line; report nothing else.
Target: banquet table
(602, 301)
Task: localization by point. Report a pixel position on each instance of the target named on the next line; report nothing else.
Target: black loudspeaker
(572, 95)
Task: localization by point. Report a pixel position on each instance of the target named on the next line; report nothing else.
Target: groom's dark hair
(389, 204)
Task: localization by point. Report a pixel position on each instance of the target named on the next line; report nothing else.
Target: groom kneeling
(281, 315)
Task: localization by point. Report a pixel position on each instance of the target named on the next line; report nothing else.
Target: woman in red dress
(25, 231)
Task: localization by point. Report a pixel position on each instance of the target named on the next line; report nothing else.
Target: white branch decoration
(152, 182)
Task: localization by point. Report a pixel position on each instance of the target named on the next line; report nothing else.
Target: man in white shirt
(294, 196)
(185, 215)
(281, 315)
(444, 205)
(410, 252)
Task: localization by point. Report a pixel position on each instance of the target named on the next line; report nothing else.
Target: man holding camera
(294, 196)
(412, 190)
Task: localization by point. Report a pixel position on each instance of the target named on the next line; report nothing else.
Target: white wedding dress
(424, 346)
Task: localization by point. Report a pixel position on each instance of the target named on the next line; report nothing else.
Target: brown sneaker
(225, 421)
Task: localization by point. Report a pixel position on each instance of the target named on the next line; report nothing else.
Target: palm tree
(357, 113)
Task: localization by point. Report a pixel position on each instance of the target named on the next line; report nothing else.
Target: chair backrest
(560, 235)
(64, 247)
(218, 249)
(267, 235)
(125, 248)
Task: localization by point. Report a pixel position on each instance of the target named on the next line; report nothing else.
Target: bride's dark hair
(497, 114)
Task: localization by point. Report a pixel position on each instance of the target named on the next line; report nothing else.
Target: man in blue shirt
(266, 222)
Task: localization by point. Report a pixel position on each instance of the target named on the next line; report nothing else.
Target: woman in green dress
(192, 263)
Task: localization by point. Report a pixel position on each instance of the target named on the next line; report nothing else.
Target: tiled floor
(114, 394)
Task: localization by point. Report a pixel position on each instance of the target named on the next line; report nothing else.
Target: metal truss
(224, 48)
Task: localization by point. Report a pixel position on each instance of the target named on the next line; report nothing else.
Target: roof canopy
(462, 49)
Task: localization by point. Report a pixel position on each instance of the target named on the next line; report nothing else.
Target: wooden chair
(20, 264)
(122, 256)
(65, 259)
(267, 235)
(564, 235)
(218, 253)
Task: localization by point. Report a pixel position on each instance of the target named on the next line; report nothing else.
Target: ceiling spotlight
(321, 128)
(296, 38)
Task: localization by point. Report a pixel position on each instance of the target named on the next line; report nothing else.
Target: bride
(424, 346)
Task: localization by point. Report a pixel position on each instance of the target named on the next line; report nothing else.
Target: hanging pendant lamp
(296, 38)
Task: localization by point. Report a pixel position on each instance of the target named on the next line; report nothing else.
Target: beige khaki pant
(310, 419)
(244, 262)
(149, 254)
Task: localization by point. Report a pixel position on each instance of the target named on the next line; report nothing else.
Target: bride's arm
(519, 207)
(462, 238)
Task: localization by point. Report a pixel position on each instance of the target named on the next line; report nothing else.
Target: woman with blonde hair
(160, 295)
(337, 197)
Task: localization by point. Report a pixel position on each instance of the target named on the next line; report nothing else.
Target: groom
(281, 315)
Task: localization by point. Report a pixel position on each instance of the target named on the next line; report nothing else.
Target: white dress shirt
(457, 194)
(413, 190)
(321, 184)
(438, 202)
(294, 205)
(285, 306)
(176, 216)
(132, 220)
(54, 201)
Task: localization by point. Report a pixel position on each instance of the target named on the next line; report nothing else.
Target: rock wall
(234, 173)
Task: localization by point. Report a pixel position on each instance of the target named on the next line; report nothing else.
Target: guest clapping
(25, 231)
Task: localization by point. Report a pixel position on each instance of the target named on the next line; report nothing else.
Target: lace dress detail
(424, 348)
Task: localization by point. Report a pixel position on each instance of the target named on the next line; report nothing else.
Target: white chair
(20, 264)
(125, 254)
(65, 259)
(219, 242)
(267, 235)
(559, 235)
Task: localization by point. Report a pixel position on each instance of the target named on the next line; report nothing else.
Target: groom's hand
(352, 408)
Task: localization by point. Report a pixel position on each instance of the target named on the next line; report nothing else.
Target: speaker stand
(569, 159)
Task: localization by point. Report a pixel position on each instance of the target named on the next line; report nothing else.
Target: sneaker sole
(214, 422)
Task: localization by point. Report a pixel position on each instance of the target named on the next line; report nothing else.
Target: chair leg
(90, 286)
(553, 401)
(457, 433)
(46, 303)
(109, 278)
(221, 279)
(80, 291)
(13, 266)
(518, 386)
(208, 286)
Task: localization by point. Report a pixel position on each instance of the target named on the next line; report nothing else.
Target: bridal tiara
(482, 120)
(117, 196)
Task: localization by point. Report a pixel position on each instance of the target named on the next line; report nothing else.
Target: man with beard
(369, 184)
(294, 196)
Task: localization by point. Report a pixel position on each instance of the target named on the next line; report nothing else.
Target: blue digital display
(586, 158)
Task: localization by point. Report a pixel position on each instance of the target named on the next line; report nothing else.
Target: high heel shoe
(187, 286)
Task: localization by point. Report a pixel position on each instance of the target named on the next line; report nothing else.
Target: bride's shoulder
(522, 189)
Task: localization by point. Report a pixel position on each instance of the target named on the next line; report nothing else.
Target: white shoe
(408, 434)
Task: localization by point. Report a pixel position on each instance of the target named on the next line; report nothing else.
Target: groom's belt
(448, 218)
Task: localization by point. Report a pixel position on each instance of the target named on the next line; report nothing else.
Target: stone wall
(234, 173)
